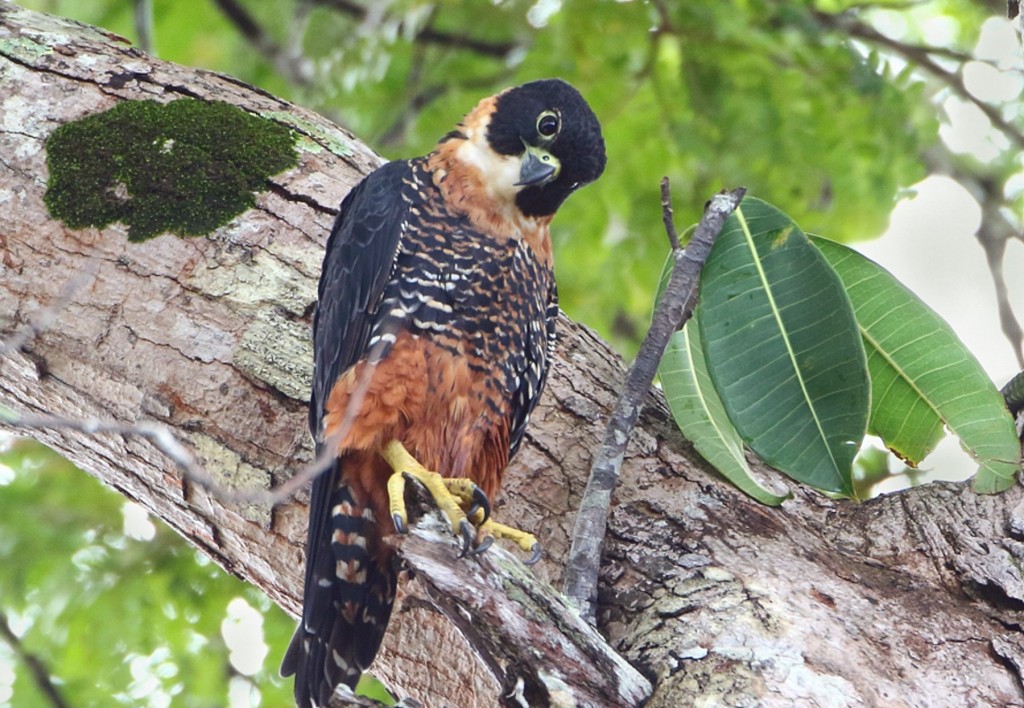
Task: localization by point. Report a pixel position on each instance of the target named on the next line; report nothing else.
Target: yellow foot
(461, 501)
(458, 499)
(491, 529)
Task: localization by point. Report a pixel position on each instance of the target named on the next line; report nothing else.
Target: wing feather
(538, 354)
(359, 259)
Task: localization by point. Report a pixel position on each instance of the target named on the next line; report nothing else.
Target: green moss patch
(184, 167)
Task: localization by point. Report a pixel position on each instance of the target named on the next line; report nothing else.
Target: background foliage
(121, 611)
(826, 108)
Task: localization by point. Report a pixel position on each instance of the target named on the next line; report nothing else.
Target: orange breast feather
(430, 400)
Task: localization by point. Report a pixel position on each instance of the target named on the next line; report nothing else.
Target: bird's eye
(548, 124)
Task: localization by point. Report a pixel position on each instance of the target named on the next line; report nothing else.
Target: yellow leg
(455, 497)
(461, 501)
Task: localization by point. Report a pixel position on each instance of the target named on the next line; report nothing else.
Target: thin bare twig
(992, 234)
(428, 34)
(36, 667)
(142, 16)
(994, 244)
(164, 440)
(995, 231)
(673, 309)
(424, 96)
(290, 66)
(248, 26)
(40, 320)
(884, 5)
(666, 215)
(922, 57)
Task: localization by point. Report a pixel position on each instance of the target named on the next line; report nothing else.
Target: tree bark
(910, 599)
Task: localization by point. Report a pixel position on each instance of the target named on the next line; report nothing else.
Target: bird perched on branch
(432, 338)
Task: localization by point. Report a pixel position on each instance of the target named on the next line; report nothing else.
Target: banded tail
(350, 590)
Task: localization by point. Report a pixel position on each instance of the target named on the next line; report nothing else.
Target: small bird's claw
(483, 546)
(537, 553)
(400, 526)
(466, 531)
(480, 501)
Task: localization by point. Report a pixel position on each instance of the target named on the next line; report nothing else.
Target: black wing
(358, 261)
(360, 255)
(539, 352)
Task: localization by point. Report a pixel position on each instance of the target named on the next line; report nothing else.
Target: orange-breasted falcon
(436, 318)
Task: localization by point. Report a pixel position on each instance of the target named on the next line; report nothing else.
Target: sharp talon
(484, 545)
(480, 501)
(466, 530)
(537, 553)
(400, 526)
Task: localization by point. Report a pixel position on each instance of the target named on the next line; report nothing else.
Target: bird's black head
(550, 125)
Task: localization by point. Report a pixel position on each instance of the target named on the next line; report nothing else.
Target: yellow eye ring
(548, 124)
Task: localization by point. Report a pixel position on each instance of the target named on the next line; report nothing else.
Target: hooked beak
(539, 167)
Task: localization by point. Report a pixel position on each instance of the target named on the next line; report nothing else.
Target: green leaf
(783, 348)
(700, 415)
(922, 376)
